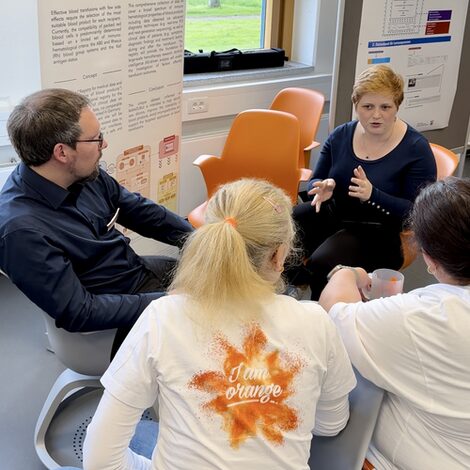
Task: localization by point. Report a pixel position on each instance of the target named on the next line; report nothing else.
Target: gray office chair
(347, 450)
(74, 396)
(67, 468)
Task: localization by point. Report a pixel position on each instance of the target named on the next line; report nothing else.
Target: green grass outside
(227, 8)
(222, 35)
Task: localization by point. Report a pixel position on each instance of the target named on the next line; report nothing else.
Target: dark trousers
(159, 275)
(327, 241)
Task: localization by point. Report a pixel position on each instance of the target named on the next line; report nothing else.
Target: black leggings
(326, 242)
(160, 271)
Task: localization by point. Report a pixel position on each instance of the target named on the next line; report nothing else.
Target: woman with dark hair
(364, 184)
(416, 345)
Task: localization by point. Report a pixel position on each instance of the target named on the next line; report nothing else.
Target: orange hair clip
(231, 221)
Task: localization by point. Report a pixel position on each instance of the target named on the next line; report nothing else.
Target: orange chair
(446, 163)
(261, 144)
(307, 106)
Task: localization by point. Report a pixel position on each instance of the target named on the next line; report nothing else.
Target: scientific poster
(128, 59)
(421, 40)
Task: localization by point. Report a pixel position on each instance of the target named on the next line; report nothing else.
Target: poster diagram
(402, 17)
(422, 41)
(168, 146)
(167, 187)
(168, 151)
(133, 169)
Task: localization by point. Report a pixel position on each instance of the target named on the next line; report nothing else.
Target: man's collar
(54, 194)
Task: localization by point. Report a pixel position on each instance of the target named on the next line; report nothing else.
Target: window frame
(279, 24)
(277, 28)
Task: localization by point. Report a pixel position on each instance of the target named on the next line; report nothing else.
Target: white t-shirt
(417, 347)
(245, 397)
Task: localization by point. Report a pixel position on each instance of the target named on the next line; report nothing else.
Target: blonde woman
(243, 376)
(367, 177)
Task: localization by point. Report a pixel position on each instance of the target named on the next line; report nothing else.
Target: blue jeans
(145, 438)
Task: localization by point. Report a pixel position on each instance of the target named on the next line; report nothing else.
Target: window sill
(218, 78)
(225, 94)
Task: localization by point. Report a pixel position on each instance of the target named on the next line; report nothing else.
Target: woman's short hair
(44, 119)
(440, 220)
(378, 79)
(226, 261)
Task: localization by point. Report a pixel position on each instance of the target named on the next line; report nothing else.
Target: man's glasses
(100, 140)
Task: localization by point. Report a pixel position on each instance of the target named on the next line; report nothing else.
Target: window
(240, 24)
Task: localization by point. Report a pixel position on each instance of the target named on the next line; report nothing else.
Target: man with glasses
(58, 209)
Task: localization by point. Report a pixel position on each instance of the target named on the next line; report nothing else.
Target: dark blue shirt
(60, 248)
(396, 177)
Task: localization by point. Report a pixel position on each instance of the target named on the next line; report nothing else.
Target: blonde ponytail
(225, 263)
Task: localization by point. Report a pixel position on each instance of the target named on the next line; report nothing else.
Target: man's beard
(93, 175)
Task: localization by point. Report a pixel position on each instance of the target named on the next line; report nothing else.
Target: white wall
(19, 49)
(19, 56)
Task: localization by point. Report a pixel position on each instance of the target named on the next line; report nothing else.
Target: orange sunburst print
(251, 390)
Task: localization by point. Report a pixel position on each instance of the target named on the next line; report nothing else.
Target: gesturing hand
(361, 187)
(323, 190)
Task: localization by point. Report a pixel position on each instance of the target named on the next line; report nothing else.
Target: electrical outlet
(198, 105)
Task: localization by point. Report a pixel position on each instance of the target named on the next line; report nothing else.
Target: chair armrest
(409, 248)
(311, 146)
(349, 447)
(203, 160)
(211, 169)
(305, 174)
(196, 216)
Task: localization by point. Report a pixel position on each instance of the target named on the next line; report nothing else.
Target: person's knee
(159, 264)
(301, 213)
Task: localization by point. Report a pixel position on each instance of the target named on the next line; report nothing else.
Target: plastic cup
(385, 282)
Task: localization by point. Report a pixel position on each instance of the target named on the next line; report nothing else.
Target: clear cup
(384, 283)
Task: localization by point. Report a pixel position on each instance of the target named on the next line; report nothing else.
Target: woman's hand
(346, 285)
(361, 187)
(363, 280)
(323, 190)
(364, 283)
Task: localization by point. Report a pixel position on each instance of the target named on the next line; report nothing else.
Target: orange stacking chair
(261, 143)
(446, 163)
(307, 106)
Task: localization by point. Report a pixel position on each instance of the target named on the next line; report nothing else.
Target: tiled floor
(27, 371)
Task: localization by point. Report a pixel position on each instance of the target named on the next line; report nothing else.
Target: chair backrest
(307, 106)
(261, 144)
(85, 353)
(446, 163)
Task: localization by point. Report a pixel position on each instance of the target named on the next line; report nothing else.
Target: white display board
(421, 40)
(128, 59)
